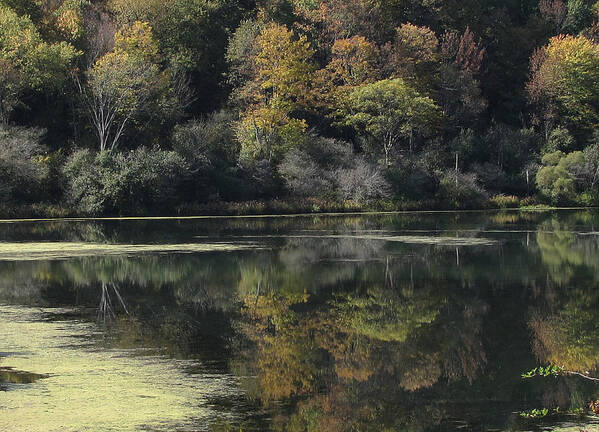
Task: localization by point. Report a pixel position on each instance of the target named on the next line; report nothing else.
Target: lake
(382, 322)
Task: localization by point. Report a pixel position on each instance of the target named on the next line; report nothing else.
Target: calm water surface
(410, 322)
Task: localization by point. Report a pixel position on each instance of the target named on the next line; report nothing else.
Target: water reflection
(106, 309)
(331, 325)
(12, 376)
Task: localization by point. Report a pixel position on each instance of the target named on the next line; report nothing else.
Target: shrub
(505, 201)
(362, 182)
(559, 140)
(85, 189)
(207, 142)
(23, 168)
(570, 178)
(589, 198)
(210, 148)
(312, 170)
(328, 153)
(491, 177)
(412, 177)
(511, 151)
(527, 201)
(124, 183)
(303, 175)
(508, 147)
(591, 164)
(461, 191)
(261, 180)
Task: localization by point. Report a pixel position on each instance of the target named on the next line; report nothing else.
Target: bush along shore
(230, 107)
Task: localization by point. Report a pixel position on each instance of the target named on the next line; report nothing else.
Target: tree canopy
(416, 103)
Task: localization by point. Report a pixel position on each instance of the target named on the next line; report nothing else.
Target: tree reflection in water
(341, 333)
(105, 309)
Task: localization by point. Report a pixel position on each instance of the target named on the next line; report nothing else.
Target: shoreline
(283, 215)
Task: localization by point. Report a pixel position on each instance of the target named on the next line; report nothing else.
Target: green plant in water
(555, 371)
(545, 412)
(544, 371)
(536, 413)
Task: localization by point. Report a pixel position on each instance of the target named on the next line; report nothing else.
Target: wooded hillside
(128, 106)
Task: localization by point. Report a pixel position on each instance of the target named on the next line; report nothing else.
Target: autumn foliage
(418, 92)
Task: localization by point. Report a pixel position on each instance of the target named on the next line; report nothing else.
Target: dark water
(411, 322)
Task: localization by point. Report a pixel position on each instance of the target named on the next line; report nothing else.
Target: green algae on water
(93, 389)
(406, 239)
(65, 250)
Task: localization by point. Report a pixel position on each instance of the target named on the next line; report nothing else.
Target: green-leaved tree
(391, 111)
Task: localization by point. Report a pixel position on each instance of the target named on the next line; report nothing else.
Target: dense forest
(114, 107)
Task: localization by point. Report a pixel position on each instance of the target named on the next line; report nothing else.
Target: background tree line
(122, 106)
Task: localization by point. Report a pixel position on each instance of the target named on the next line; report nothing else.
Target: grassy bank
(272, 207)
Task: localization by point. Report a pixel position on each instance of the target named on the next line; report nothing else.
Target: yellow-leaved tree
(281, 87)
(354, 62)
(27, 62)
(121, 83)
(565, 82)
